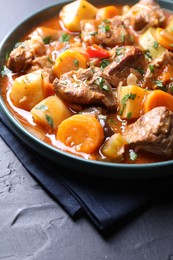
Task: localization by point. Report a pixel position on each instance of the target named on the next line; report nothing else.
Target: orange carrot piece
(82, 132)
(158, 98)
(67, 61)
(164, 38)
(106, 12)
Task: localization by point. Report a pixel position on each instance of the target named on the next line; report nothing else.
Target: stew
(97, 82)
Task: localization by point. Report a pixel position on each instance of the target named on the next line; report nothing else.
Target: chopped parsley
(63, 82)
(93, 33)
(49, 120)
(123, 37)
(65, 37)
(119, 51)
(47, 39)
(76, 63)
(105, 26)
(171, 88)
(151, 67)
(102, 117)
(5, 71)
(101, 83)
(148, 56)
(124, 101)
(17, 44)
(104, 63)
(133, 156)
(158, 83)
(155, 45)
(42, 107)
(50, 60)
(129, 115)
(141, 71)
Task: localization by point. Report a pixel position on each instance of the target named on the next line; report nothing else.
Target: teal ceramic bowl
(80, 165)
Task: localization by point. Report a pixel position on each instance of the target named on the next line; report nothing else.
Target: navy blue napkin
(106, 202)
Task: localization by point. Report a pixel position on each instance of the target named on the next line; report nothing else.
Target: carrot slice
(82, 132)
(158, 98)
(69, 60)
(165, 38)
(106, 12)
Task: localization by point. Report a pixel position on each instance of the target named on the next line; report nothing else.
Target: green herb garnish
(5, 71)
(151, 67)
(42, 107)
(133, 156)
(148, 56)
(155, 45)
(49, 120)
(104, 26)
(129, 115)
(65, 37)
(76, 63)
(124, 101)
(101, 83)
(47, 39)
(104, 63)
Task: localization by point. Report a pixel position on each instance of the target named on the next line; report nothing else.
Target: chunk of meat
(109, 32)
(97, 112)
(127, 60)
(152, 132)
(85, 86)
(145, 14)
(43, 62)
(155, 76)
(22, 56)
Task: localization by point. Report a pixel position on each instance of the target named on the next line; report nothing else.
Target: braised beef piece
(152, 132)
(22, 56)
(43, 62)
(85, 86)
(144, 14)
(99, 114)
(127, 60)
(153, 78)
(109, 32)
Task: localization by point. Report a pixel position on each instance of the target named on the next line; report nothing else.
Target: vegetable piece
(71, 14)
(167, 74)
(164, 38)
(96, 51)
(82, 132)
(130, 100)
(27, 90)
(169, 27)
(149, 43)
(50, 112)
(158, 98)
(69, 60)
(46, 33)
(114, 147)
(106, 12)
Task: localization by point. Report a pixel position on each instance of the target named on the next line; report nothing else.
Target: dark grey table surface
(33, 226)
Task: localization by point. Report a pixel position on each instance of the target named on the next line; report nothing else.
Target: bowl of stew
(89, 85)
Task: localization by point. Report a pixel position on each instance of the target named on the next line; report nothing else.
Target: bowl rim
(12, 120)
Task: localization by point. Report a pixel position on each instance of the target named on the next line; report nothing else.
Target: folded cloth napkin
(106, 202)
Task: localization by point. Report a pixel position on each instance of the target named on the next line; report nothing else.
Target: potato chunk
(27, 90)
(50, 112)
(71, 14)
(130, 100)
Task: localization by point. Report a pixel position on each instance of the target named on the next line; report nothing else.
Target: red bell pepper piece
(96, 51)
